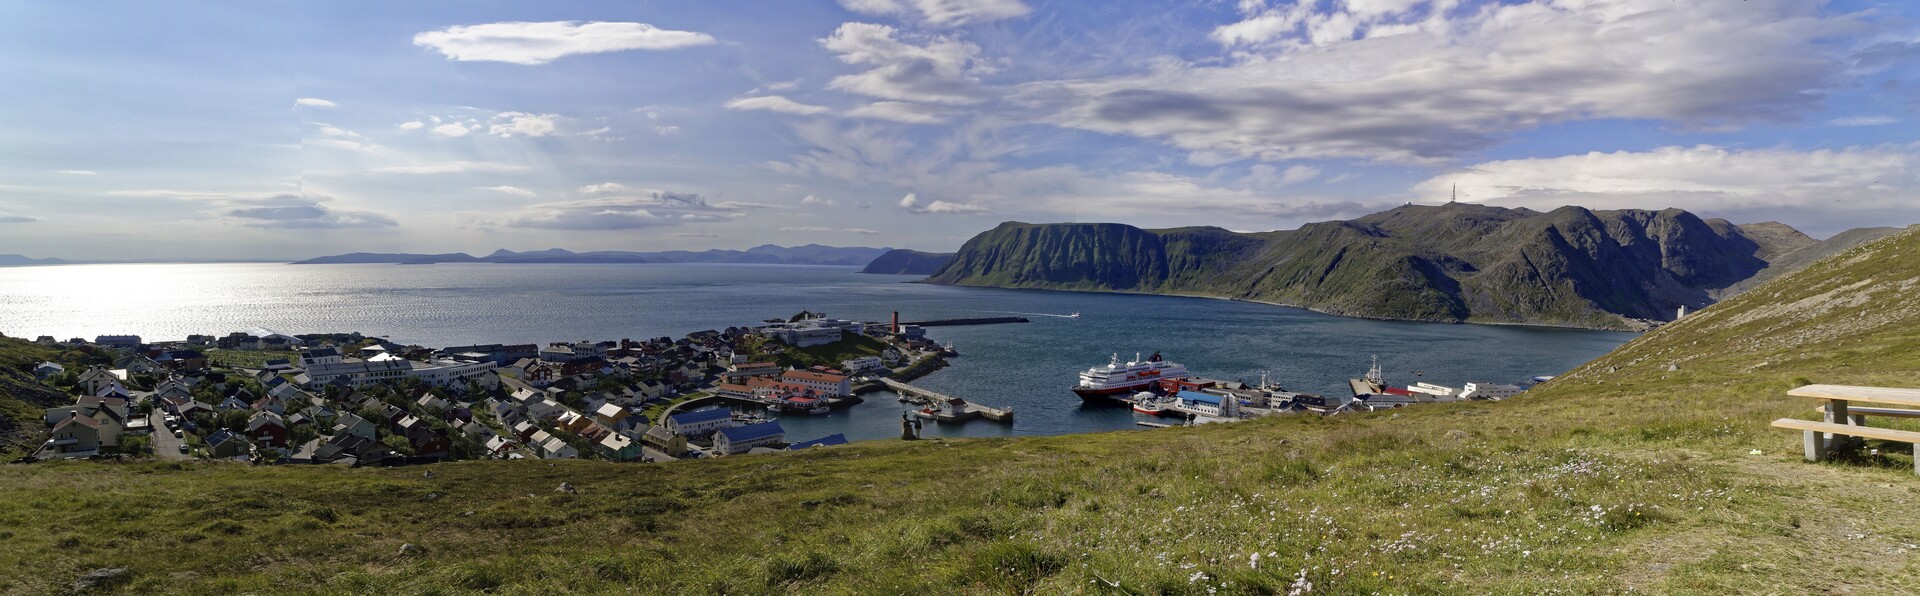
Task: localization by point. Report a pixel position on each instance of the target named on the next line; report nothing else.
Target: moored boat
(1118, 379)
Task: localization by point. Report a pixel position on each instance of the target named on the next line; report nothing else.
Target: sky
(282, 130)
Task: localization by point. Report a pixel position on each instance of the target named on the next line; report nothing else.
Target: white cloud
(414, 125)
(601, 188)
(451, 130)
(508, 124)
(653, 209)
(301, 212)
(940, 70)
(900, 111)
(509, 190)
(1700, 178)
(941, 13)
(76, 172)
(832, 230)
(774, 103)
(334, 131)
(666, 130)
(817, 201)
(313, 102)
(912, 204)
(1420, 82)
(451, 167)
(1867, 120)
(540, 43)
(783, 85)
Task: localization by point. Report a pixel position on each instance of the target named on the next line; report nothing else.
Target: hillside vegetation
(1457, 262)
(901, 261)
(1636, 472)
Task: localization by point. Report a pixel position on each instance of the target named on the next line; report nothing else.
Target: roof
(752, 432)
(699, 416)
(609, 410)
(1195, 396)
(86, 421)
(832, 439)
(221, 436)
(813, 376)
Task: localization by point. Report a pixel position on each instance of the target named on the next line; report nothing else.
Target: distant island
(768, 254)
(901, 261)
(22, 260)
(1459, 262)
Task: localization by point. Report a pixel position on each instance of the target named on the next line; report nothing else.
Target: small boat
(819, 410)
(774, 408)
(1152, 405)
(1075, 315)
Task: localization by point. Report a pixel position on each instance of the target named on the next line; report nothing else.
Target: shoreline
(1306, 308)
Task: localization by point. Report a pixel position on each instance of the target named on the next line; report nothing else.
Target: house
(182, 359)
(820, 382)
(225, 444)
(1489, 391)
(433, 402)
(319, 356)
(118, 341)
(539, 438)
(863, 364)
(739, 373)
(46, 370)
(826, 441)
(355, 374)
(499, 446)
(75, 437)
(267, 428)
(426, 440)
(269, 404)
(354, 425)
(619, 447)
(478, 432)
(664, 441)
(573, 422)
(612, 415)
(277, 365)
(700, 423)
(740, 439)
(524, 430)
(94, 378)
(233, 403)
(546, 409)
(554, 448)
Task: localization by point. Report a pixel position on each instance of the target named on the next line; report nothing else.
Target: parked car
(178, 435)
(183, 447)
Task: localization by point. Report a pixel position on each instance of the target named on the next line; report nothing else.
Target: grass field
(1636, 472)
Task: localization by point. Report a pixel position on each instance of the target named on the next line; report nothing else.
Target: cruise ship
(1117, 380)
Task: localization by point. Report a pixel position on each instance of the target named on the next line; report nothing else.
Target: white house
(863, 364)
(1490, 391)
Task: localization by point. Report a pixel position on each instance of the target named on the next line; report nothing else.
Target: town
(274, 398)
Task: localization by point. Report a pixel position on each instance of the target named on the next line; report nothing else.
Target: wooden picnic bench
(1842, 420)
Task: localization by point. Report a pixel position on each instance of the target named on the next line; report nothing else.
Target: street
(165, 446)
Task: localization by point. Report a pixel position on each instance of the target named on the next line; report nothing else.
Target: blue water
(1025, 366)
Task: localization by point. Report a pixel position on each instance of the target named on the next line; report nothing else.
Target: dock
(972, 321)
(948, 408)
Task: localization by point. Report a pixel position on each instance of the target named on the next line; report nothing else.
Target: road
(165, 446)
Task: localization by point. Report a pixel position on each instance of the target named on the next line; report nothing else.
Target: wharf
(948, 408)
(972, 321)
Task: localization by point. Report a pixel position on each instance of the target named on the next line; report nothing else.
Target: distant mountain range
(811, 254)
(901, 261)
(1624, 269)
(19, 260)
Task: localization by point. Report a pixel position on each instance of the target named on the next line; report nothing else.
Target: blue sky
(283, 130)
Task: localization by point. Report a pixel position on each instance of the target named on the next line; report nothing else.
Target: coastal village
(269, 397)
(274, 398)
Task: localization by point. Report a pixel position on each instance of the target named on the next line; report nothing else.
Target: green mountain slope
(901, 261)
(22, 398)
(1455, 262)
(1637, 472)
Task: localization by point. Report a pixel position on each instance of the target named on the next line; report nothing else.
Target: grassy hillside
(23, 399)
(1634, 473)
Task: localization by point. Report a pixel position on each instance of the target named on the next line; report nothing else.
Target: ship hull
(1104, 394)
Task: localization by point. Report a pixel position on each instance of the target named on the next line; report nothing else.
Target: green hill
(1635, 472)
(901, 261)
(1457, 262)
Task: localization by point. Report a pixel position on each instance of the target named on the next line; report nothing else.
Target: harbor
(944, 408)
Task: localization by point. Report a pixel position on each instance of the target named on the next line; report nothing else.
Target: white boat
(1115, 379)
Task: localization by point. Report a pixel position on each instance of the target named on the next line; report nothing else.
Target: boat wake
(1034, 314)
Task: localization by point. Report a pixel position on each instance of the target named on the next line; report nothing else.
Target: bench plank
(1880, 395)
(1884, 434)
(1866, 411)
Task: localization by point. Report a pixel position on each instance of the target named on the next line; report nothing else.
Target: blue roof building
(740, 439)
(826, 441)
(700, 422)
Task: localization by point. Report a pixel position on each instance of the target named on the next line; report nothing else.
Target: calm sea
(1026, 366)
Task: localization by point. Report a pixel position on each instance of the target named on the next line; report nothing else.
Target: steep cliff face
(1060, 256)
(1456, 262)
(901, 261)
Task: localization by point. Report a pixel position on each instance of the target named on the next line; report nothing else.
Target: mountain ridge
(1459, 262)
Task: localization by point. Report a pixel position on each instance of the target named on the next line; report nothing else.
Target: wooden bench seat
(1878, 395)
(1865, 411)
(1815, 443)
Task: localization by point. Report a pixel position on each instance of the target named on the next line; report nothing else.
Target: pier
(948, 408)
(972, 321)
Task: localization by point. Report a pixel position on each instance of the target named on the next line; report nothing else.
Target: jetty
(946, 408)
(972, 321)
